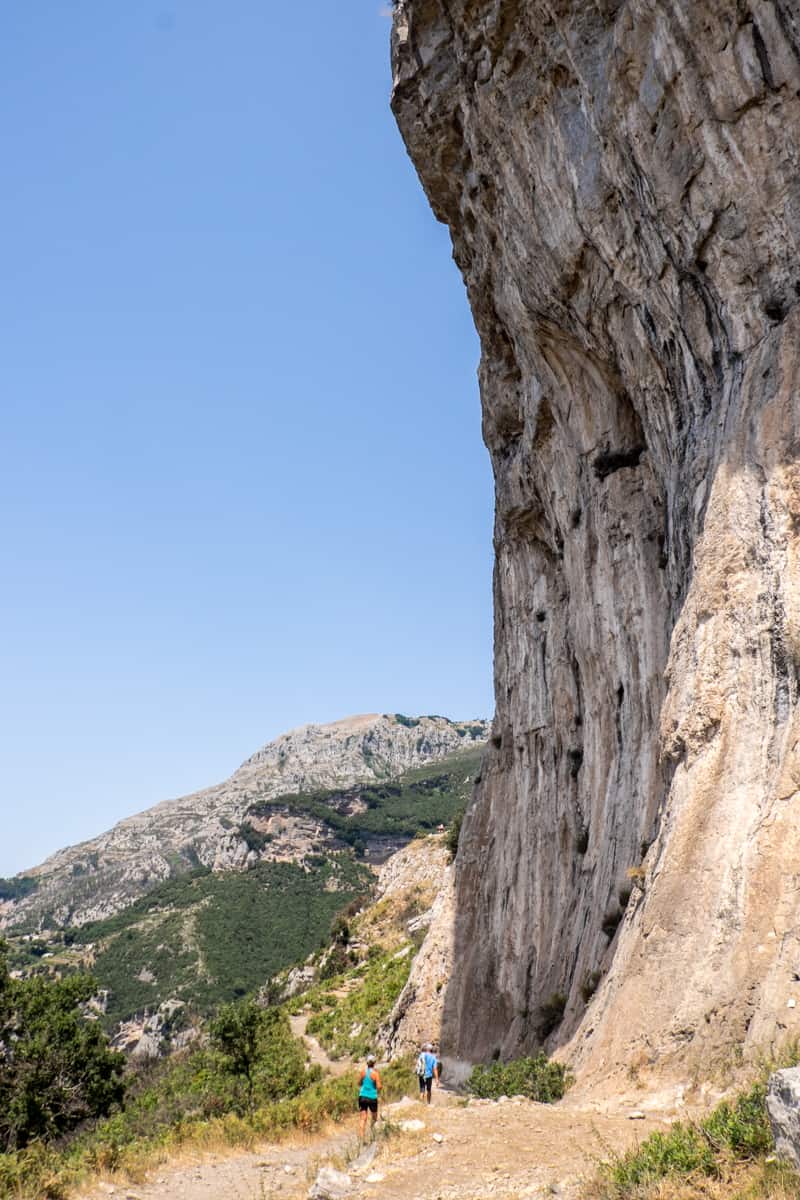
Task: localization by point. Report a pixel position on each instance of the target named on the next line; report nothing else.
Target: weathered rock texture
(102, 876)
(783, 1109)
(621, 181)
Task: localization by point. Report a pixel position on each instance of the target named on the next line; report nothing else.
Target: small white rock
(438, 1137)
(375, 1177)
(636, 1115)
(791, 1002)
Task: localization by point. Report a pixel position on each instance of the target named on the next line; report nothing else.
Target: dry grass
(763, 1181)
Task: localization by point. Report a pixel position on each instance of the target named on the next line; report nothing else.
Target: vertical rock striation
(620, 178)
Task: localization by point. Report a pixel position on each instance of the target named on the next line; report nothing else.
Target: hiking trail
(514, 1149)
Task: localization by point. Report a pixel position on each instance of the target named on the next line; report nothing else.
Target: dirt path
(512, 1150)
(317, 1053)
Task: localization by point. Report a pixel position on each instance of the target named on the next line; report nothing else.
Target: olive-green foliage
(417, 801)
(736, 1131)
(454, 833)
(551, 1014)
(366, 1007)
(590, 984)
(211, 938)
(254, 839)
(256, 1046)
(409, 722)
(56, 1068)
(18, 887)
(681, 1151)
(536, 1077)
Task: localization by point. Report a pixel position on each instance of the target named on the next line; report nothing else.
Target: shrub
(340, 930)
(590, 984)
(56, 1067)
(453, 834)
(551, 1014)
(737, 1131)
(336, 963)
(538, 1078)
(256, 1046)
(18, 888)
(680, 1151)
(409, 722)
(255, 839)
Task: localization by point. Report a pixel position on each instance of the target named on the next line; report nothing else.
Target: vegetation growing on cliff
(346, 1025)
(18, 888)
(210, 938)
(417, 801)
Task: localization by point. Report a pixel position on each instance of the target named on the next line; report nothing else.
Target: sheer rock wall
(620, 178)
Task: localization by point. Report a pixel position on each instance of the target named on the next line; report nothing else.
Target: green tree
(235, 1033)
(257, 1046)
(56, 1067)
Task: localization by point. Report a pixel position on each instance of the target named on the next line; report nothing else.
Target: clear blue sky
(242, 480)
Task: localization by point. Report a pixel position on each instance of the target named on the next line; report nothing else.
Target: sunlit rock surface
(621, 183)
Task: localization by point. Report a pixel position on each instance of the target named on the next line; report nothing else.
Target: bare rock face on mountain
(621, 180)
(213, 828)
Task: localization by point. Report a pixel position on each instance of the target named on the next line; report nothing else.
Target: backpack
(420, 1068)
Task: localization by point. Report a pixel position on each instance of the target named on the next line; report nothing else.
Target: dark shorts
(425, 1085)
(365, 1104)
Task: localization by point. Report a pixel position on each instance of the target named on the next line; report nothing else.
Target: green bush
(551, 1014)
(18, 888)
(257, 1048)
(409, 722)
(538, 1078)
(736, 1131)
(56, 1067)
(453, 834)
(254, 839)
(680, 1151)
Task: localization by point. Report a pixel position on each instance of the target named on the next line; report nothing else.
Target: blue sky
(241, 474)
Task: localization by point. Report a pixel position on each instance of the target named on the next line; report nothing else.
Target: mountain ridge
(101, 876)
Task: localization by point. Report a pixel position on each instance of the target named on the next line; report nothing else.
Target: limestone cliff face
(621, 181)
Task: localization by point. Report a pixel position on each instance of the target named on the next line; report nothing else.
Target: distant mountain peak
(206, 829)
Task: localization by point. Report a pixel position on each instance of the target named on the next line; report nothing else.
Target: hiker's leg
(363, 1124)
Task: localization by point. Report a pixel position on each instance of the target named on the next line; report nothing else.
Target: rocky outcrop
(783, 1110)
(621, 182)
(213, 828)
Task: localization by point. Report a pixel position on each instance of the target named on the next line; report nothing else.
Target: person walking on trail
(368, 1092)
(427, 1071)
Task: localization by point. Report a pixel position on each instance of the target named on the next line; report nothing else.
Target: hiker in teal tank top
(369, 1088)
